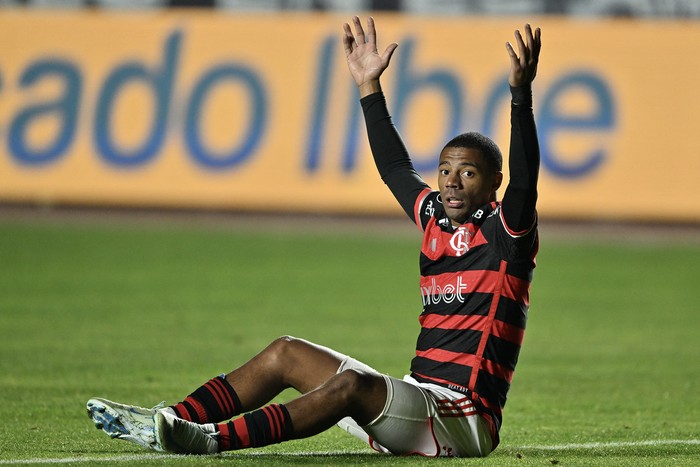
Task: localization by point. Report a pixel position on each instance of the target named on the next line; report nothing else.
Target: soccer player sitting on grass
(476, 264)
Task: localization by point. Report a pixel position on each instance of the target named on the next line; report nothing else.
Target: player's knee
(284, 341)
(354, 385)
(280, 350)
(362, 394)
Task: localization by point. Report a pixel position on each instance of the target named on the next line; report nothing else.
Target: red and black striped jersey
(474, 283)
(475, 279)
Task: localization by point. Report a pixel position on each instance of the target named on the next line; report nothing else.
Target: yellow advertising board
(258, 112)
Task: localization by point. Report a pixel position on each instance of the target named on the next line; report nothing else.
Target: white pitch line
(170, 457)
(70, 460)
(612, 444)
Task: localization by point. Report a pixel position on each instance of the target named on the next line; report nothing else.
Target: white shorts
(423, 419)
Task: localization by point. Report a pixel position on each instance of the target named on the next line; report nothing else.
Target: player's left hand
(523, 65)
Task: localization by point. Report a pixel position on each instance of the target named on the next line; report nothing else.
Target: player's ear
(497, 180)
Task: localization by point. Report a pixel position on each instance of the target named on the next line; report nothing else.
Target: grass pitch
(609, 373)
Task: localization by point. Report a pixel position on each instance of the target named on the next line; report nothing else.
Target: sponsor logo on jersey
(429, 209)
(447, 293)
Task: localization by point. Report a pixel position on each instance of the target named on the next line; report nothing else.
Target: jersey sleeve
(390, 155)
(520, 198)
(427, 206)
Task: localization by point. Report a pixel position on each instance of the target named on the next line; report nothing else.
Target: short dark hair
(474, 140)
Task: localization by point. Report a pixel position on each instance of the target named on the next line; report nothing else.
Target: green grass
(142, 314)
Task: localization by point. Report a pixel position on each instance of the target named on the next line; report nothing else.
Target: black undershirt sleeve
(390, 154)
(520, 197)
(397, 171)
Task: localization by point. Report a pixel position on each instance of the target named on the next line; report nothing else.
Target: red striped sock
(213, 402)
(269, 425)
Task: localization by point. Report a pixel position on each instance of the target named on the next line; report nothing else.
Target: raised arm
(520, 198)
(390, 154)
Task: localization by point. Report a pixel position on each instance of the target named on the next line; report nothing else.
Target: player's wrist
(369, 87)
(521, 95)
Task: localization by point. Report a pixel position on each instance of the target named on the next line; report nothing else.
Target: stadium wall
(199, 109)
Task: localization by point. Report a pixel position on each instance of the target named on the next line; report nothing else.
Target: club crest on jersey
(460, 241)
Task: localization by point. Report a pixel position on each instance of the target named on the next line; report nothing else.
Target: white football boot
(127, 422)
(174, 434)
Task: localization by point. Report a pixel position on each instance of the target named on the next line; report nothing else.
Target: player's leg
(287, 362)
(351, 393)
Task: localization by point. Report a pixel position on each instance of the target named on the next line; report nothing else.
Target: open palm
(364, 60)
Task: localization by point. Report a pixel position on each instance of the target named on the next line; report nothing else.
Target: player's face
(465, 182)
